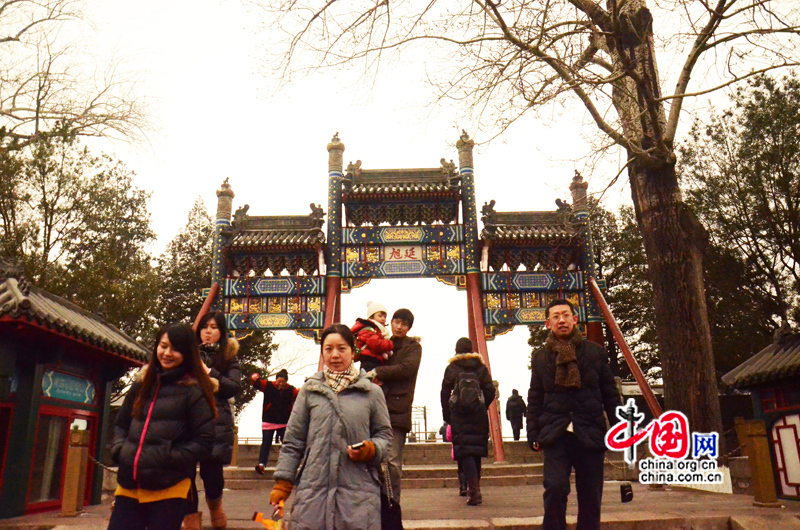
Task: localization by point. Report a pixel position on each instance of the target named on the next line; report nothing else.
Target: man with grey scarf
(571, 387)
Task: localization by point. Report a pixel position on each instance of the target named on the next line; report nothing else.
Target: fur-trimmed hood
(232, 349)
(465, 356)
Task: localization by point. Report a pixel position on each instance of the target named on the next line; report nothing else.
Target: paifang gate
(285, 273)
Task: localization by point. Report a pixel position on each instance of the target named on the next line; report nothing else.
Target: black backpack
(467, 392)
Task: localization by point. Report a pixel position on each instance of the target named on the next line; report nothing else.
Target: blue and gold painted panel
(403, 268)
(532, 281)
(381, 235)
(307, 320)
(274, 285)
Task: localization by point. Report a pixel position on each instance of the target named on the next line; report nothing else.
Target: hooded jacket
(227, 385)
(399, 378)
(470, 429)
(164, 446)
(334, 492)
(551, 408)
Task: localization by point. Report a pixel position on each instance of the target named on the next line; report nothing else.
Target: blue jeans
(266, 443)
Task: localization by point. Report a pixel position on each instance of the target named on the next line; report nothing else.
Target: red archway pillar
(333, 307)
(477, 335)
(594, 332)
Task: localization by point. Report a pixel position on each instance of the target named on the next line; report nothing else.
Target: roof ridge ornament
(487, 213)
(317, 214)
(240, 216)
(354, 169)
(12, 269)
(448, 168)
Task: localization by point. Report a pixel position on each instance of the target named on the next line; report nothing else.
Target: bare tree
(296, 355)
(509, 58)
(49, 84)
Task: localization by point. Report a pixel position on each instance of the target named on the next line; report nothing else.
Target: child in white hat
(372, 337)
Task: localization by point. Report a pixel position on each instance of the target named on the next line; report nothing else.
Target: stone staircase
(427, 465)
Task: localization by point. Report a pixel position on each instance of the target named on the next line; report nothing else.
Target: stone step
(414, 453)
(428, 482)
(410, 471)
(433, 476)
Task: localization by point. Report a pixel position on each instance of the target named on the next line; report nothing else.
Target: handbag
(391, 513)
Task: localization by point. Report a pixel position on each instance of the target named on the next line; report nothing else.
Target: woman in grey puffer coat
(338, 487)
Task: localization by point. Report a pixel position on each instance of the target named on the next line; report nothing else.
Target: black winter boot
(474, 496)
(462, 485)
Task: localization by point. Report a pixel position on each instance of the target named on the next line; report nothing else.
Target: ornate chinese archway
(282, 272)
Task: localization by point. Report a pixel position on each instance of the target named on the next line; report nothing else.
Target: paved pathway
(507, 508)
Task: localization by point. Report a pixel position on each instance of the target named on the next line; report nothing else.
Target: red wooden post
(212, 295)
(649, 397)
(479, 332)
(333, 288)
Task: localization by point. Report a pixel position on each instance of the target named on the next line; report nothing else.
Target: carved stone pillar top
(225, 189)
(225, 197)
(335, 152)
(578, 189)
(464, 146)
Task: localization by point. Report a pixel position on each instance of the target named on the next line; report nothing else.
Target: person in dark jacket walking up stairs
(279, 399)
(163, 429)
(515, 410)
(218, 353)
(336, 439)
(467, 392)
(571, 387)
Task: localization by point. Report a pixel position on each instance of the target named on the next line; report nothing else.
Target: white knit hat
(375, 307)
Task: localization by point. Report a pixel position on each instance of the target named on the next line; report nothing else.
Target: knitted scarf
(338, 381)
(567, 373)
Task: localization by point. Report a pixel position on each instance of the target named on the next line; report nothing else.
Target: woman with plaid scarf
(337, 436)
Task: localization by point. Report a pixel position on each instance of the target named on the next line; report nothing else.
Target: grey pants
(395, 461)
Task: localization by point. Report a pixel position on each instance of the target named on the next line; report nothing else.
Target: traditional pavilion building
(773, 378)
(58, 366)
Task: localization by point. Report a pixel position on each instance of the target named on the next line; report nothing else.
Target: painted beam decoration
(275, 286)
(532, 281)
(403, 252)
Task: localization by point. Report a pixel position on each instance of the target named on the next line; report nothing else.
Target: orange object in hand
(280, 492)
(365, 452)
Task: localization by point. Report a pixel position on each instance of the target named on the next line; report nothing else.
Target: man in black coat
(515, 410)
(571, 387)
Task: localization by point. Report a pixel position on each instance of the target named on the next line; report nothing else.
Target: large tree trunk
(673, 238)
(673, 243)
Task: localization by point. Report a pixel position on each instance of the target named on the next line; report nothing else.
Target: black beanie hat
(463, 345)
(282, 373)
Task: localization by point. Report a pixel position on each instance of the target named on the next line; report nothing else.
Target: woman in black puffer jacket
(219, 357)
(469, 424)
(164, 427)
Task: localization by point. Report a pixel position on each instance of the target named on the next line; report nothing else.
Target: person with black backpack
(467, 392)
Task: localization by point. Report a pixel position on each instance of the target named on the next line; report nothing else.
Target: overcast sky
(218, 117)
